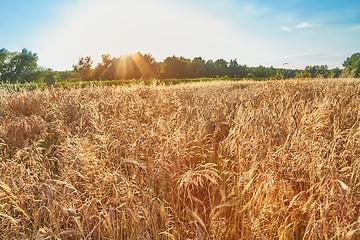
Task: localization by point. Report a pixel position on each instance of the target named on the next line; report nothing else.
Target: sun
(116, 27)
(135, 65)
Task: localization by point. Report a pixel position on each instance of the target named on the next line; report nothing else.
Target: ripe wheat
(221, 160)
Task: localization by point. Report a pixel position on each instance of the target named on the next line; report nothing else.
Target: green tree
(335, 72)
(197, 68)
(84, 68)
(4, 63)
(49, 79)
(352, 65)
(125, 67)
(210, 68)
(19, 67)
(67, 76)
(233, 68)
(146, 64)
(175, 67)
(102, 70)
(261, 72)
(316, 71)
(309, 72)
(4, 54)
(323, 71)
(221, 67)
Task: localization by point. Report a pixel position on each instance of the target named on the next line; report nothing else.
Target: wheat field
(219, 160)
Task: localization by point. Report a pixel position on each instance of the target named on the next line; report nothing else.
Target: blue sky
(256, 32)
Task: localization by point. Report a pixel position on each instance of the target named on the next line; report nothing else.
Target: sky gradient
(255, 32)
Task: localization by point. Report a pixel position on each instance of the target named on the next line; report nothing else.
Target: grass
(102, 83)
(209, 160)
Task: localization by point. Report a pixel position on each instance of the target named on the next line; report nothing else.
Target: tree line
(140, 65)
(21, 67)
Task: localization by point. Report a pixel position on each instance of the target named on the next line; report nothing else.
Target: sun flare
(161, 28)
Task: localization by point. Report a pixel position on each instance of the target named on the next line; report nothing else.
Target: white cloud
(308, 25)
(305, 58)
(357, 27)
(314, 55)
(286, 29)
(255, 10)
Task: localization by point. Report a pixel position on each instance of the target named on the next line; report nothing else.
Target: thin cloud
(310, 58)
(286, 29)
(313, 55)
(251, 9)
(308, 25)
(356, 27)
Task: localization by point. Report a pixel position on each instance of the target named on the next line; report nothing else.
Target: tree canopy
(21, 67)
(18, 67)
(131, 66)
(135, 66)
(352, 65)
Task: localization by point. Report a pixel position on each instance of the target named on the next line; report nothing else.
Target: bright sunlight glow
(159, 27)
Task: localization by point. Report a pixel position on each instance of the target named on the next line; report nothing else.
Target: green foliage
(316, 71)
(102, 71)
(352, 65)
(122, 82)
(198, 67)
(49, 79)
(84, 68)
(19, 67)
(335, 72)
(22, 86)
(139, 66)
(68, 75)
(235, 70)
(132, 66)
(175, 67)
